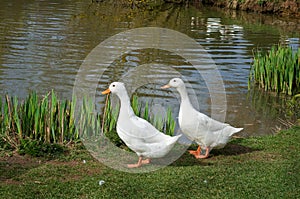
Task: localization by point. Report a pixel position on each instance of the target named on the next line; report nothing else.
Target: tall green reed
(278, 70)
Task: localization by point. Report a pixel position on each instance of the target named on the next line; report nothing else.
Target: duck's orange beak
(106, 91)
(166, 86)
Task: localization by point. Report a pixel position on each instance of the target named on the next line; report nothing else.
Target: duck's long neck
(125, 108)
(185, 101)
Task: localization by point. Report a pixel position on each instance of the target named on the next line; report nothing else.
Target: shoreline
(289, 8)
(286, 8)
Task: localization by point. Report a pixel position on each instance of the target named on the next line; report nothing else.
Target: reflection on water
(38, 46)
(43, 43)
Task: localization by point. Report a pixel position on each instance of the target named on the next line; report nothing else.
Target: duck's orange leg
(139, 163)
(147, 161)
(197, 152)
(206, 154)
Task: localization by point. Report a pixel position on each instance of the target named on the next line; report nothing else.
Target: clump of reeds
(278, 70)
(46, 120)
(52, 121)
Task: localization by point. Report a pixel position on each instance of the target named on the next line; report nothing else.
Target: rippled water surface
(44, 43)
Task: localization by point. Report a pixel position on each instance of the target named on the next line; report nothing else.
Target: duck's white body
(205, 131)
(202, 129)
(138, 134)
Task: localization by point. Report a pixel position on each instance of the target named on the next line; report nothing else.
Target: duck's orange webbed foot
(139, 163)
(197, 152)
(204, 156)
(198, 155)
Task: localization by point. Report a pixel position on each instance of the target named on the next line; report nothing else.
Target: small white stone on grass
(101, 182)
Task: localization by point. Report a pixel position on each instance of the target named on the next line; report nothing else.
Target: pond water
(44, 43)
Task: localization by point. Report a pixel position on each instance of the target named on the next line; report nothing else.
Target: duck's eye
(174, 80)
(113, 85)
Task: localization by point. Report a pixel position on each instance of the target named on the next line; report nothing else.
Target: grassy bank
(258, 167)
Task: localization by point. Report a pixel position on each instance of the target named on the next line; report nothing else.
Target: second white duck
(138, 134)
(205, 131)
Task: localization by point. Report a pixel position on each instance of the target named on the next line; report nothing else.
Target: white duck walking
(205, 131)
(138, 134)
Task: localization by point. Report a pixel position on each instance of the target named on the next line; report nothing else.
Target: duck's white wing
(136, 128)
(197, 125)
(212, 132)
(143, 138)
(208, 124)
(142, 128)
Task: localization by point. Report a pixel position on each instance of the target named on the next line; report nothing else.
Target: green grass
(255, 167)
(277, 70)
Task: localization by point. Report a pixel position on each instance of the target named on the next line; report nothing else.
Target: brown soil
(14, 165)
(282, 8)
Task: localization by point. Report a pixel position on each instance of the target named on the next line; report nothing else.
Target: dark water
(44, 43)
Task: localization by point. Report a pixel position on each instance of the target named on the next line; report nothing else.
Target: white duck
(205, 131)
(138, 134)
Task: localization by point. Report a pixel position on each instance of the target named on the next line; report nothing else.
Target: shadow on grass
(233, 148)
(188, 160)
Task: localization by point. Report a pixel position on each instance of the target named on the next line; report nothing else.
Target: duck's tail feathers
(235, 130)
(174, 139)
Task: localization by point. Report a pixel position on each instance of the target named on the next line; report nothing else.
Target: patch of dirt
(14, 165)
(15, 158)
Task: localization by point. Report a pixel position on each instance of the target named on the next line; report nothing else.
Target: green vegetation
(41, 126)
(256, 167)
(278, 70)
(45, 120)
